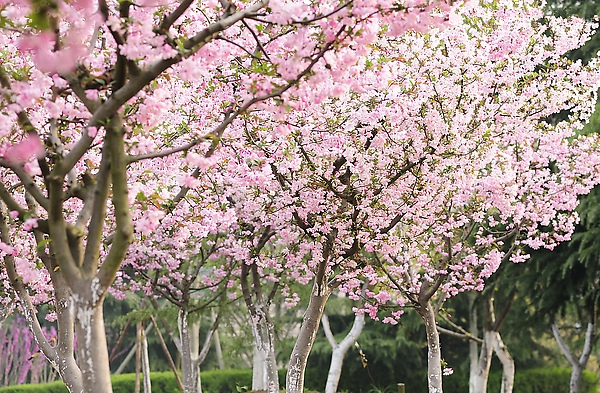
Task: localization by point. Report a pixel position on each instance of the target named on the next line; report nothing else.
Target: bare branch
(464, 336)
(327, 330)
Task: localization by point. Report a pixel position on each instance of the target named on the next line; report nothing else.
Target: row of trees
(398, 153)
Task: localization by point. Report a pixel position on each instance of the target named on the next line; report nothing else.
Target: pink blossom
(149, 221)
(30, 223)
(30, 146)
(448, 371)
(91, 94)
(46, 59)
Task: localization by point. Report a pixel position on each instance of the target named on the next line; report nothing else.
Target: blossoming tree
(86, 92)
(379, 154)
(434, 165)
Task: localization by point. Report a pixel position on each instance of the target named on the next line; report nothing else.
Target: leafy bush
(225, 381)
(52, 387)
(162, 382)
(538, 380)
(543, 380)
(554, 380)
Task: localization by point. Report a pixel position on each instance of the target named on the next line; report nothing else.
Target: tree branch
(327, 330)
(98, 210)
(124, 232)
(164, 153)
(564, 348)
(26, 303)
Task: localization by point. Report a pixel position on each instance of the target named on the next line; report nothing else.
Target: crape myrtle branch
(203, 260)
(166, 325)
(252, 268)
(166, 351)
(13, 205)
(77, 88)
(28, 127)
(259, 45)
(322, 286)
(120, 72)
(179, 302)
(407, 277)
(210, 300)
(252, 55)
(497, 322)
(186, 286)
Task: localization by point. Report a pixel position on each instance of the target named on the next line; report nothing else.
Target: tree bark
(434, 353)
(578, 365)
(264, 365)
(508, 364)
(190, 369)
(306, 338)
(484, 362)
(264, 370)
(91, 345)
(145, 362)
(473, 356)
(340, 350)
(217, 339)
(131, 353)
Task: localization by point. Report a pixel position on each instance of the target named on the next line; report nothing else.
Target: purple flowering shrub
(20, 358)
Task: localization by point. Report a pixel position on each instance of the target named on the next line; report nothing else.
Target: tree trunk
(264, 369)
(91, 345)
(578, 365)
(434, 353)
(217, 340)
(131, 353)
(145, 362)
(508, 364)
(190, 368)
(306, 338)
(340, 350)
(483, 365)
(473, 355)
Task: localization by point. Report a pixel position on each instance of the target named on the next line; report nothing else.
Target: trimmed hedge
(542, 380)
(52, 387)
(555, 380)
(214, 381)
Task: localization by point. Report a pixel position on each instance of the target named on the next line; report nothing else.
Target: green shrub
(555, 380)
(550, 380)
(52, 387)
(543, 380)
(162, 382)
(225, 381)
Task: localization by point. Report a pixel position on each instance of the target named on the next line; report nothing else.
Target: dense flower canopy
(415, 146)
(407, 144)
